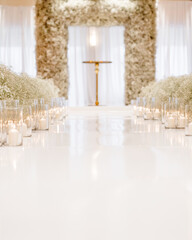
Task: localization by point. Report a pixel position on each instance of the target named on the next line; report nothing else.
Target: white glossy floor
(104, 175)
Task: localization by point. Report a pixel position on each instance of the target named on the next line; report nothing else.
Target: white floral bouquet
(179, 87)
(22, 87)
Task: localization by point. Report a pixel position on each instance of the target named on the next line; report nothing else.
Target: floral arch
(53, 17)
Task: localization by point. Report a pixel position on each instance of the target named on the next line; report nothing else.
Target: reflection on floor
(101, 175)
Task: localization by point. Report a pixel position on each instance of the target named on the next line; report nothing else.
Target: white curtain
(17, 40)
(101, 44)
(174, 40)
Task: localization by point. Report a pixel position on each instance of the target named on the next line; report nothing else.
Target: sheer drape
(91, 43)
(17, 40)
(174, 40)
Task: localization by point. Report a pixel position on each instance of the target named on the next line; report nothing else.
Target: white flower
(22, 86)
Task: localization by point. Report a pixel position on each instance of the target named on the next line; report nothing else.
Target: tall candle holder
(163, 112)
(57, 112)
(43, 117)
(12, 126)
(188, 115)
(170, 110)
(11, 103)
(134, 106)
(156, 109)
(181, 118)
(66, 107)
(147, 109)
(1, 123)
(27, 121)
(34, 111)
(54, 111)
(51, 111)
(140, 106)
(41, 101)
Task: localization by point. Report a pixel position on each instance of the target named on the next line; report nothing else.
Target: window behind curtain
(17, 40)
(174, 40)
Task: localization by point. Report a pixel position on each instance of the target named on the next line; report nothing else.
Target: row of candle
(174, 114)
(18, 121)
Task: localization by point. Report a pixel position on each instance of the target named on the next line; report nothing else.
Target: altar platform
(101, 175)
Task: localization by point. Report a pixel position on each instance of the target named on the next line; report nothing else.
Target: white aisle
(106, 176)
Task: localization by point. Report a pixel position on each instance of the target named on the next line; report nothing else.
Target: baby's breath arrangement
(22, 87)
(179, 87)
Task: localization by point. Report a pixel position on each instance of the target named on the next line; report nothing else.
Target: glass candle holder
(43, 117)
(41, 101)
(140, 107)
(181, 118)
(34, 111)
(170, 110)
(1, 124)
(134, 106)
(163, 113)
(10, 103)
(54, 112)
(66, 107)
(27, 121)
(147, 110)
(13, 126)
(188, 121)
(57, 112)
(156, 109)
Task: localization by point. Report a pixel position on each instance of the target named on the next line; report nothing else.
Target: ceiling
(32, 2)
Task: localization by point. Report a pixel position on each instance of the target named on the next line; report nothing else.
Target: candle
(24, 129)
(140, 112)
(148, 115)
(189, 132)
(28, 122)
(171, 122)
(10, 124)
(33, 123)
(181, 122)
(58, 114)
(135, 110)
(14, 137)
(157, 114)
(43, 124)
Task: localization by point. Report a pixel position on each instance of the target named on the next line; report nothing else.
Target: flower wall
(53, 17)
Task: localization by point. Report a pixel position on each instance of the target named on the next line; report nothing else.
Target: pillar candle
(43, 125)
(140, 112)
(24, 129)
(135, 110)
(181, 122)
(10, 124)
(171, 122)
(58, 114)
(13, 137)
(157, 114)
(148, 115)
(28, 122)
(33, 123)
(189, 129)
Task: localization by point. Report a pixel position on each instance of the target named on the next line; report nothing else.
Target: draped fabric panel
(17, 39)
(96, 44)
(174, 40)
